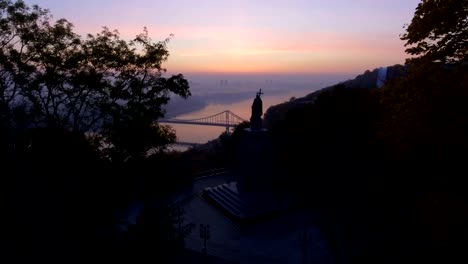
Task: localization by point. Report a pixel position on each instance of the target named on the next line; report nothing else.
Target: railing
(224, 119)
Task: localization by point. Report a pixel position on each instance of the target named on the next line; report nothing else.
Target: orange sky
(296, 36)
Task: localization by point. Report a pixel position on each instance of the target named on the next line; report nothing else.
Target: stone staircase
(242, 208)
(226, 198)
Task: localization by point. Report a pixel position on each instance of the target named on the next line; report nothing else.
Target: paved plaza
(273, 241)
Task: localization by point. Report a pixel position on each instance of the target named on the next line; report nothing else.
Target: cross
(259, 92)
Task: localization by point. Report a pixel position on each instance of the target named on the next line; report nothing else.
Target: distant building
(381, 76)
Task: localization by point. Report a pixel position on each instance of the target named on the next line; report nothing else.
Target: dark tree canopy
(439, 31)
(98, 83)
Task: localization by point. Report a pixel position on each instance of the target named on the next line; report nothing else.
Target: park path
(274, 241)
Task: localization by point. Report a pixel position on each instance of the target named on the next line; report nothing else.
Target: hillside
(367, 80)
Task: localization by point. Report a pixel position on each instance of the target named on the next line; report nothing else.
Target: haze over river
(214, 94)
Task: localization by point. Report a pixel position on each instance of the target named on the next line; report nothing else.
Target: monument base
(251, 198)
(255, 170)
(245, 207)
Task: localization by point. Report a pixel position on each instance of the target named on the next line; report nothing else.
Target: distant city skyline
(288, 37)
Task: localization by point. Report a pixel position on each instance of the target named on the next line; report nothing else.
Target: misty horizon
(246, 38)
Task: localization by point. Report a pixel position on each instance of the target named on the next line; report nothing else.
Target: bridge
(186, 144)
(225, 119)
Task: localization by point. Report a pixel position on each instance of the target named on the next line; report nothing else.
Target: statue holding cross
(257, 112)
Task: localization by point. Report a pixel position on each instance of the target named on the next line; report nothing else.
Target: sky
(255, 36)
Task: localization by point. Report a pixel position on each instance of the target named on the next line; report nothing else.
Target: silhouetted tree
(424, 130)
(439, 31)
(231, 142)
(425, 112)
(338, 128)
(66, 102)
(100, 83)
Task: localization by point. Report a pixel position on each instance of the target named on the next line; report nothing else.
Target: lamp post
(205, 235)
(304, 241)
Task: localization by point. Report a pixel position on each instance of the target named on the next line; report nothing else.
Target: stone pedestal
(255, 161)
(251, 198)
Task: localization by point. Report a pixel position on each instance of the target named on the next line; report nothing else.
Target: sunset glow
(345, 36)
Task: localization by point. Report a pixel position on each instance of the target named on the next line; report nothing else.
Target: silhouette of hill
(367, 80)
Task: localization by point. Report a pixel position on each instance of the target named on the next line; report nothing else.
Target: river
(242, 108)
(216, 93)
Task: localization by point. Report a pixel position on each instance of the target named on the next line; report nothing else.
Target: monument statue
(252, 196)
(257, 112)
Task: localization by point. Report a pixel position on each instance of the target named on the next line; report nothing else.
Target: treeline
(389, 165)
(393, 160)
(80, 145)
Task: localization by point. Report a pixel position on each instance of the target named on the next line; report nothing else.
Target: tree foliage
(424, 112)
(391, 158)
(98, 83)
(439, 31)
(65, 102)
